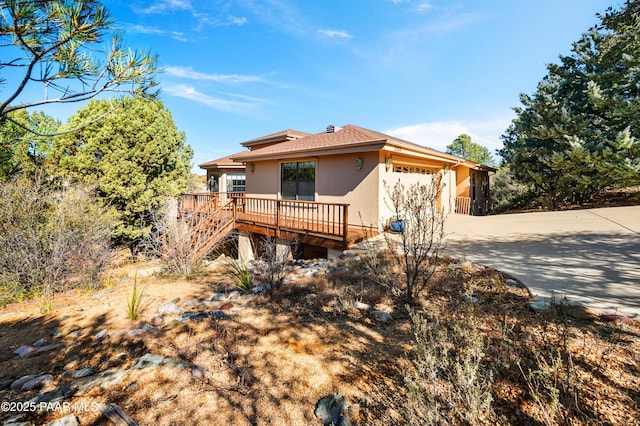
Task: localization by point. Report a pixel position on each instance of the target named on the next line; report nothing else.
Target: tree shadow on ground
(600, 270)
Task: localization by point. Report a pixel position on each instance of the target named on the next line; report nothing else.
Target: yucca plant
(241, 274)
(135, 303)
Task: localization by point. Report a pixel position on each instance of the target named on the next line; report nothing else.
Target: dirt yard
(267, 359)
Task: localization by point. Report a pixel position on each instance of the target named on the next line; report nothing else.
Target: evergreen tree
(22, 151)
(135, 157)
(578, 134)
(463, 147)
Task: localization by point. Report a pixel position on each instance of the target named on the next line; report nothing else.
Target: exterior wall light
(252, 167)
(388, 163)
(359, 163)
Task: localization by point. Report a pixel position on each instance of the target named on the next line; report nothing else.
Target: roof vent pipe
(331, 128)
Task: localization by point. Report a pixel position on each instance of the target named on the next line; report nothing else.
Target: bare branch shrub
(417, 245)
(182, 243)
(50, 240)
(448, 383)
(274, 262)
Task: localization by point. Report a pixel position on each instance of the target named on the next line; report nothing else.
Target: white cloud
(189, 92)
(188, 72)
(423, 6)
(164, 6)
(142, 29)
(335, 33)
(439, 134)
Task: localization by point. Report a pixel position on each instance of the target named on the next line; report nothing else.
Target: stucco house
(338, 175)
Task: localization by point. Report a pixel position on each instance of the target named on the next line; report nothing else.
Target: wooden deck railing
(463, 205)
(194, 200)
(325, 219)
(329, 219)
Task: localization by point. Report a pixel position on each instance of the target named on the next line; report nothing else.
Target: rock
(582, 312)
(217, 314)
(311, 273)
(198, 317)
(470, 299)
(198, 372)
(260, 289)
(191, 302)
(104, 380)
(157, 321)
(234, 295)
(48, 348)
(540, 305)
(6, 384)
(59, 394)
(149, 360)
(17, 384)
(148, 327)
(174, 363)
(362, 306)
(101, 335)
(226, 306)
(69, 420)
(169, 308)
(511, 283)
(159, 395)
(615, 318)
(116, 414)
(38, 343)
(36, 382)
(23, 351)
(382, 315)
(216, 297)
(154, 270)
(68, 329)
(76, 334)
(331, 410)
(84, 372)
(15, 421)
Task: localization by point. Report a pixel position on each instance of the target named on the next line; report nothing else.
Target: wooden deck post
(345, 226)
(277, 230)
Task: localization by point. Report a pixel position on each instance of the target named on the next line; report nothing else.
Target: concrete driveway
(591, 256)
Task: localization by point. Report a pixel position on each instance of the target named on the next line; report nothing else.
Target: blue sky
(425, 71)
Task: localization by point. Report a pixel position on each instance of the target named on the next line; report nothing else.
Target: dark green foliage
(135, 157)
(578, 134)
(22, 151)
(463, 147)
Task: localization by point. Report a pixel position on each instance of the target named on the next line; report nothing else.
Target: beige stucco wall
(340, 181)
(264, 180)
(391, 177)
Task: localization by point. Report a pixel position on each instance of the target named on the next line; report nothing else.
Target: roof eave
(313, 152)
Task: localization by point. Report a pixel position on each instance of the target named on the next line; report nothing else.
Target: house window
(236, 183)
(298, 180)
(411, 169)
(213, 183)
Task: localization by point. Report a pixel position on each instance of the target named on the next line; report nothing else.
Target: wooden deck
(319, 224)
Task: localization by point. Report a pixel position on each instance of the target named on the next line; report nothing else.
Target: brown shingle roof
(348, 135)
(345, 137)
(222, 162)
(281, 136)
